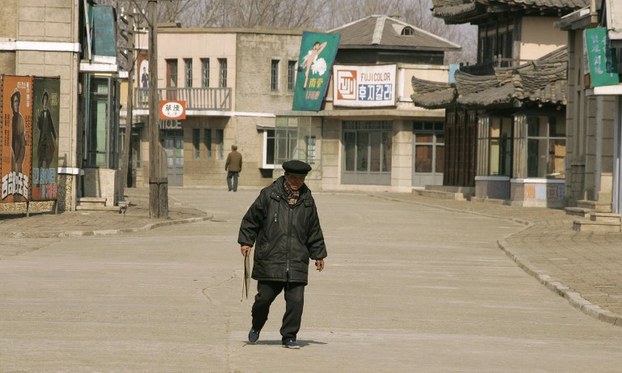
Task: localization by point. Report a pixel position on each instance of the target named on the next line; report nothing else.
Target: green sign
(317, 54)
(601, 59)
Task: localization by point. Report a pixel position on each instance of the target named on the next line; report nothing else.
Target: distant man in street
(284, 227)
(233, 166)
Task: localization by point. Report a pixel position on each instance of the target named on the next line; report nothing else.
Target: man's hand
(245, 250)
(319, 264)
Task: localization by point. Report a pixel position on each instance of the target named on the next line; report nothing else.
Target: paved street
(409, 287)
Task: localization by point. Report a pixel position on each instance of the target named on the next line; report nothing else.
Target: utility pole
(158, 179)
(127, 33)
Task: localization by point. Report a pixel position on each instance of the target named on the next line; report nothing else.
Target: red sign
(170, 109)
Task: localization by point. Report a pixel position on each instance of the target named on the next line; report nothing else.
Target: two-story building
(594, 120)
(60, 58)
(506, 114)
(238, 85)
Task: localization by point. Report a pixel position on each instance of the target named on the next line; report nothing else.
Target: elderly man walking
(284, 226)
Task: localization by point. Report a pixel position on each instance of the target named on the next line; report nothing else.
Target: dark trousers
(232, 175)
(267, 291)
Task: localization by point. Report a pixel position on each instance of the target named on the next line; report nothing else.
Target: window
(496, 44)
(222, 76)
(546, 146)
(268, 149)
(208, 142)
(171, 73)
(367, 147)
(286, 141)
(500, 146)
(220, 143)
(291, 75)
(196, 142)
(408, 31)
(204, 72)
(429, 147)
(188, 72)
(274, 75)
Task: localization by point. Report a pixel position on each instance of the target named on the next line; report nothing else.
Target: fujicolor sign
(364, 86)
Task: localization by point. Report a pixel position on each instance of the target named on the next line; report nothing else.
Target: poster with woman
(45, 138)
(16, 138)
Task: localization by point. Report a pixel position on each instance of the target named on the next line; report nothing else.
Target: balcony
(206, 99)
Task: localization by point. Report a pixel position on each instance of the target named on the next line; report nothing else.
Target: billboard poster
(16, 138)
(317, 54)
(364, 86)
(46, 105)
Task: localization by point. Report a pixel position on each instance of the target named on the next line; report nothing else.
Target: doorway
(174, 147)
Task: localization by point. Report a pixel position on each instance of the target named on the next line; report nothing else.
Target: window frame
(188, 72)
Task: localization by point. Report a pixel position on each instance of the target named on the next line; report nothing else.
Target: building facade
(594, 120)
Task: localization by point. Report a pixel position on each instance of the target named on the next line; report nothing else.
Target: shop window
(500, 146)
(367, 147)
(268, 149)
(546, 147)
(429, 147)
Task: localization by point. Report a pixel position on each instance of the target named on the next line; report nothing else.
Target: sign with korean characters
(600, 58)
(170, 109)
(317, 54)
(364, 86)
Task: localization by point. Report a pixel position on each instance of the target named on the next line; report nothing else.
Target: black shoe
(253, 335)
(291, 343)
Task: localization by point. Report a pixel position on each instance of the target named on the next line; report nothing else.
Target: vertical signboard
(45, 138)
(16, 138)
(601, 61)
(317, 54)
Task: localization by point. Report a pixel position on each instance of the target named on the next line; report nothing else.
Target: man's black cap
(296, 167)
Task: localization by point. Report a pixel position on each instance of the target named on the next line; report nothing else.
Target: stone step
(605, 217)
(594, 226)
(440, 194)
(594, 205)
(578, 211)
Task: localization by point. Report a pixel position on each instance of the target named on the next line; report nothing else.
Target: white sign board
(364, 86)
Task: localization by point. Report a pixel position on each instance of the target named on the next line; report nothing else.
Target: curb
(574, 298)
(109, 232)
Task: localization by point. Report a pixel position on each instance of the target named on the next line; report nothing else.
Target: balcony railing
(196, 98)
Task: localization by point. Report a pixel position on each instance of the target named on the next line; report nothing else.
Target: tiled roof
(543, 81)
(465, 9)
(379, 31)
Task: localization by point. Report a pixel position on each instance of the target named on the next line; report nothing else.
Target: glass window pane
(362, 156)
(386, 148)
(423, 158)
(196, 141)
(350, 150)
(494, 157)
(374, 148)
(208, 142)
(557, 154)
(424, 138)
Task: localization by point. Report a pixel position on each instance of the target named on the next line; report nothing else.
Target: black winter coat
(285, 237)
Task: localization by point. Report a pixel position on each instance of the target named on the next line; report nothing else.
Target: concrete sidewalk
(584, 268)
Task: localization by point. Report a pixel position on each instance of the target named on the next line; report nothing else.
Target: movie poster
(16, 138)
(46, 115)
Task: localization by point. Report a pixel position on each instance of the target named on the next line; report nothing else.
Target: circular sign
(172, 110)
